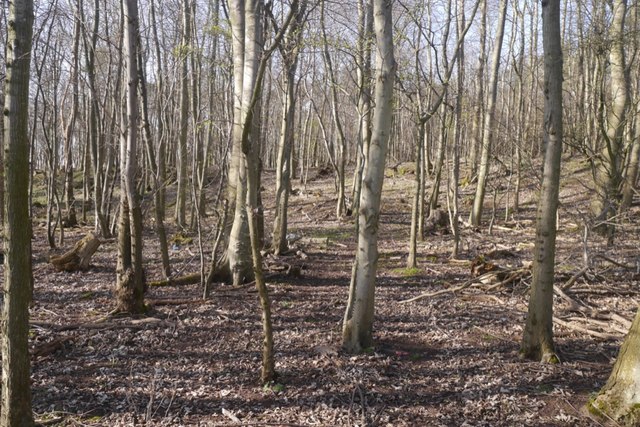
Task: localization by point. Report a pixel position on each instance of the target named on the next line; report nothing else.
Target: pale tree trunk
(130, 285)
(619, 399)
(69, 198)
(489, 118)
(608, 163)
(15, 408)
(537, 341)
(238, 255)
(97, 155)
(358, 319)
(153, 164)
(363, 57)
(181, 195)
(476, 129)
(290, 48)
(255, 61)
(340, 155)
(452, 196)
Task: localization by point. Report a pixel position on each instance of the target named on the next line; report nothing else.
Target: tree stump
(79, 257)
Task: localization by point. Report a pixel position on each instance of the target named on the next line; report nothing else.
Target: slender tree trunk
(477, 130)
(130, 285)
(15, 408)
(537, 342)
(290, 49)
(340, 155)
(365, 28)
(153, 163)
(181, 195)
(358, 319)
(69, 198)
(489, 118)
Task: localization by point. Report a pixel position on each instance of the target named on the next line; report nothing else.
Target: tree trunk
(130, 285)
(15, 409)
(487, 132)
(290, 49)
(70, 219)
(181, 195)
(363, 56)
(79, 257)
(477, 130)
(358, 319)
(537, 342)
(340, 154)
(608, 164)
(619, 399)
(631, 171)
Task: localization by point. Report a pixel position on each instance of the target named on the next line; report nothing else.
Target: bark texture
(358, 320)
(538, 333)
(15, 410)
(619, 399)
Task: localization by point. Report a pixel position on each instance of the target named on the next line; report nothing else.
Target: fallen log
(188, 279)
(79, 257)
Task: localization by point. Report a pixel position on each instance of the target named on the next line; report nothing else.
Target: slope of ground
(447, 360)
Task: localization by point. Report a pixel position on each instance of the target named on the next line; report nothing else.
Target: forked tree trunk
(358, 320)
(15, 408)
(537, 342)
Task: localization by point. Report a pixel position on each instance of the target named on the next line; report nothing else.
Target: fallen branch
(51, 347)
(584, 330)
(132, 324)
(572, 280)
(614, 262)
(513, 274)
(189, 279)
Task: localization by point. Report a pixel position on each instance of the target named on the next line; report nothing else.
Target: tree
(130, 285)
(181, 195)
(487, 130)
(537, 342)
(608, 163)
(358, 319)
(15, 410)
(290, 49)
(619, 399)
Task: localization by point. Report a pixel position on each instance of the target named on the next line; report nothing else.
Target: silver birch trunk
(537, 341)
(358, 320)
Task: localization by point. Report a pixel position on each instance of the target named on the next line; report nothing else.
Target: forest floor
(446, 360)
